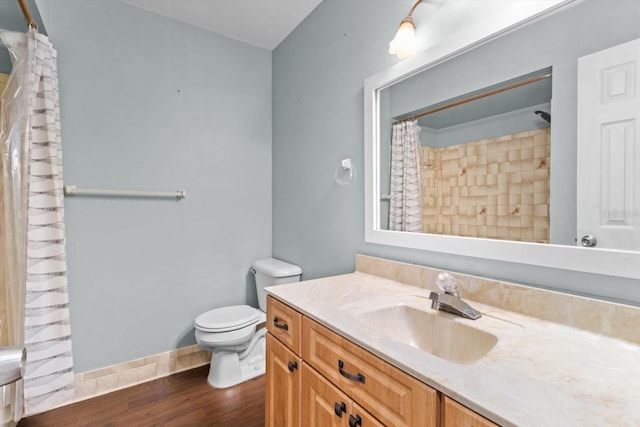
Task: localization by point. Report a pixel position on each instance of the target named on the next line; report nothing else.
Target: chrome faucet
(449, 300)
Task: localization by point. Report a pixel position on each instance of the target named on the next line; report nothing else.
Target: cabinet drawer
(457, 415)
(324, 405)
(285, 323)
(389, 394)
(283, 385)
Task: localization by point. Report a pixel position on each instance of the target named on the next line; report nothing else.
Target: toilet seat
(227, 319)
(229, 327)
(238, 338)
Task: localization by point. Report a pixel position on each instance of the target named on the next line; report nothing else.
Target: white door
(609, 148)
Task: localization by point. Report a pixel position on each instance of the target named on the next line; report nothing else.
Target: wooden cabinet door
(359, 417)
(323, 405)
(457, 415)
(392, 396)
(283, 385)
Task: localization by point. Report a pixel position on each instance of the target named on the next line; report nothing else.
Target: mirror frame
(617, 263)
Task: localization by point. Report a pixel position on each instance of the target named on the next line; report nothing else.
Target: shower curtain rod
(476, 97)
(27, 14)
(72, 190)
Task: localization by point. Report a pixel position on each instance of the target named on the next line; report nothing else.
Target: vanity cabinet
(283, 385)
(392, 396)
(457, 415)
(323, 404)
(283, 365)
(316, 377)
(284, 323)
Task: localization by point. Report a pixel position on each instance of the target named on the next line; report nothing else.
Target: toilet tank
(270, 272)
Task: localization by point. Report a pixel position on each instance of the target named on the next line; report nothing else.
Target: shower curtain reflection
(405, 207)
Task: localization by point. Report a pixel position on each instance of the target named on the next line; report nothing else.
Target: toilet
(235, 335)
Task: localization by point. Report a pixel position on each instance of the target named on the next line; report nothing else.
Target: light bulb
(404, 43)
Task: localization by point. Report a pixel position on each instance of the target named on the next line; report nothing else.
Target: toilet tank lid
(275, 268)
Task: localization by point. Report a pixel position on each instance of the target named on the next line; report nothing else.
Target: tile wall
(494, 188)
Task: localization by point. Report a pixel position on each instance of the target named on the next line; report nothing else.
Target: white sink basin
(410, 321)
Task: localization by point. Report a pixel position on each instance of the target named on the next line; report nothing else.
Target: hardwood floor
(183, 399)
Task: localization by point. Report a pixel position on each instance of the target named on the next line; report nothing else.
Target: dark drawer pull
(292, 366)
(355, 421)
(359, 377)
(280, 325)
(339, 408)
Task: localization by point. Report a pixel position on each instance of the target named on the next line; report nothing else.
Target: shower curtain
(32, 235)
(405, 208)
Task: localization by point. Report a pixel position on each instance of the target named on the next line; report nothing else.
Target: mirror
(483, 161)
(534, 43)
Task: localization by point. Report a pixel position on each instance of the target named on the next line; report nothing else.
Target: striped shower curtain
(405, 209)
(33, 222)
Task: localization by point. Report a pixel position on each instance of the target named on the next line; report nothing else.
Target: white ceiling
(262, 23)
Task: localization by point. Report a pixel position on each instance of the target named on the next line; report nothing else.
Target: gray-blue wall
(318, 74)
(150, 103)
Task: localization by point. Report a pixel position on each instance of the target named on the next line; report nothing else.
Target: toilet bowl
(231, 336)
(235, 335)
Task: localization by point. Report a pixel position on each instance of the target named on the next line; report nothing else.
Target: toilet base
(227, 369)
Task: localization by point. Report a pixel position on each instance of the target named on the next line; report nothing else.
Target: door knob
(588, 241)
(355, 421)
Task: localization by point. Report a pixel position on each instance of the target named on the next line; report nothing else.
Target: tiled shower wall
(494, 188)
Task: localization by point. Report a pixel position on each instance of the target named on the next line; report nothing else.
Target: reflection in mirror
(493, 168)
(571, 39)
(482, 164)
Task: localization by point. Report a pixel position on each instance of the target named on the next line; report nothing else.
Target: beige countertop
(541, 373)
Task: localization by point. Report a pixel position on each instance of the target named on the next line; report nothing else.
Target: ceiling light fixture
(404, 44)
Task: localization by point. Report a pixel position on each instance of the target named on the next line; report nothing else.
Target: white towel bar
(72, 190)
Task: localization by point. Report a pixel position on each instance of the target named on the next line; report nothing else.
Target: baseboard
(116, 377)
